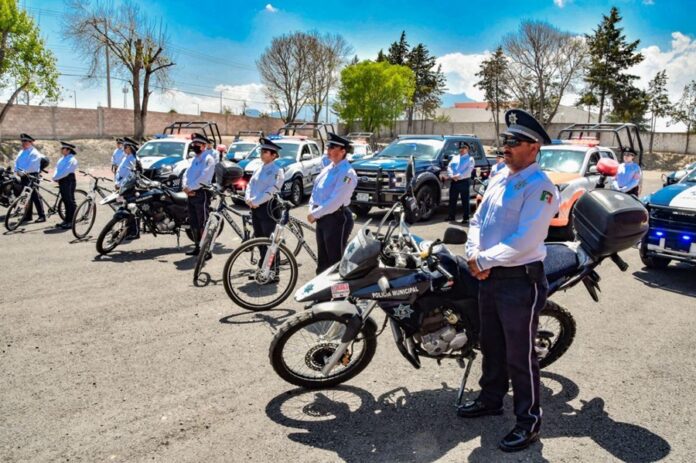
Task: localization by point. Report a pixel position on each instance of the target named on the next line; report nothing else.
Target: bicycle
(86, 211)
(19, 209)
(259, 262)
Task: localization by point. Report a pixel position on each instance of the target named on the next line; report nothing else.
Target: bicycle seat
(180, 198)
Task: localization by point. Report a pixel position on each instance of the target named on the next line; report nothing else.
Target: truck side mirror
(592, 170)
(306, 157)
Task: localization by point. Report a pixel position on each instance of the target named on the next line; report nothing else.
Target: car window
(451, 148)
(315, 150)
(418, 148)
(305, 149)
(566, 161)
(594, 159)
(607, 155)
(161, 149)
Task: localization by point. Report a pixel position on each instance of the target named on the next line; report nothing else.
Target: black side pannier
(608, 221)
(226, 173)
(44, 163)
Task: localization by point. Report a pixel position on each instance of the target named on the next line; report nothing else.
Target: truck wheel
(360, 210)
(296, 192)
(427, 204)
(652, 261)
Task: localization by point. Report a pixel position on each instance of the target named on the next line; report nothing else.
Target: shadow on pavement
(423, 426)
(675, 278)
(273, 318)
(136, 255)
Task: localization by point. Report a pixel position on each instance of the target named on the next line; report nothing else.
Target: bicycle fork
(267, 273)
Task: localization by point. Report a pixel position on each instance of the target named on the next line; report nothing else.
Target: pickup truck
(382, 178)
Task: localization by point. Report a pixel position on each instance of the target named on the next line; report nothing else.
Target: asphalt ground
(122, 358)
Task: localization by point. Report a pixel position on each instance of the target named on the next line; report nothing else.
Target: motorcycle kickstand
(178, 244)
(466, 364)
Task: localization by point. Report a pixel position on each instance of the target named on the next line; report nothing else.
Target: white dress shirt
(266, 181)
(65, 166)
(125, 170)
(333, 188)
(29, 161)
(461, 166)
(627, 177)
(200, 171)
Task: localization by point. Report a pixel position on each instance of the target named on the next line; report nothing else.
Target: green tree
(374, 93)
(658, 101)
(26, 65)
(398, 51)
(630, 105)
(589, 100)
(685, 111)
(492, 83)
(610, 55)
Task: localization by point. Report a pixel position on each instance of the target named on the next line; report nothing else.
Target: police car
(243, 144)
(672, 231)
(361, 146)
(572, 166)
(300, 159)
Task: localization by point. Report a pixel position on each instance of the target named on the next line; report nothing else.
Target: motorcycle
(155, 208)
(429, 297)
(10, 186)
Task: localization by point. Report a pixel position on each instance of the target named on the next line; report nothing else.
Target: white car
(239, 150)
(164, 156)
(360, 151)
(300, 158)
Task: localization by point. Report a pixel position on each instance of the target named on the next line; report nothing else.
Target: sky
(216, 44)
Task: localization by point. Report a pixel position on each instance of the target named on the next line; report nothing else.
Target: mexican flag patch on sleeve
(346, 179)
(546, 196)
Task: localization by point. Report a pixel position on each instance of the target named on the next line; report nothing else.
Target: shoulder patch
(546, 196)
(347, 179)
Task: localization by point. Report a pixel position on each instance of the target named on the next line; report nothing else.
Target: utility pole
(75, 97)
(220, 102)
(244, 108)
(125, 92)
(108, 67)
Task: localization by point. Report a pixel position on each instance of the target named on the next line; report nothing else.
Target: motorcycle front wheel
(555, 333)
(304, 344)
(112, 235)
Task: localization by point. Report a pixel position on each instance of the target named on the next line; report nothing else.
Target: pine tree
(685, 111)
(610, 55)
(381, 57)
(398, 51)
(659, 104)
(430, 83)
(493, 86)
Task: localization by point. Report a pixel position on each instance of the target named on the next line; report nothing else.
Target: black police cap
(523, 125)
(26, 137)
(337, 140)
(199, 138)
(69, 146)
(267, 144)
(127, 141)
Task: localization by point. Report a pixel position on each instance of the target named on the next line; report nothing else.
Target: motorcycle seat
(561, 260)
(180, 198)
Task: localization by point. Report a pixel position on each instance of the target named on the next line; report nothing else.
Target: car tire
(427, 204)
(652, 261)
(360, 210)
(296, 193)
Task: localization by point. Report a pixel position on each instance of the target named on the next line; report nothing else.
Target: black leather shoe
(40, 220)
(518, 439)
(66, 226)
(451, 219)
(476, 408)
(193, 252)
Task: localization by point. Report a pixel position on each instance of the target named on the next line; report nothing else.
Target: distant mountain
(252, 112)
(448, 99)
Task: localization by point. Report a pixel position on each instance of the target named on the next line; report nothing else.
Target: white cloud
(253, 94)
(270, 8)
(648, 2)
(560, 3)
(460, 71)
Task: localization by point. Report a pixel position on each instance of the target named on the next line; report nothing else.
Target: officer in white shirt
(328, 205)
(128, 163)
(199, 173)
(459, 171)
(117, 155)
(28, 166)
(499, 165)
(505, 251)
(628, 176)
(65, 176)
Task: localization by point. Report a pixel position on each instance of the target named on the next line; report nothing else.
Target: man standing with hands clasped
(459, 171)
(505, 251)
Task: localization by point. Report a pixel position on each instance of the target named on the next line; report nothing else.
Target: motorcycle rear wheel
(556, 333)
(326, 329)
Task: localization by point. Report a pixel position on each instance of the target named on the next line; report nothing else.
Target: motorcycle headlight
(166, 170)
(132, 207)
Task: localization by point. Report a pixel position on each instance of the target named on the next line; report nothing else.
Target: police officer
(28, 165)
(328, 205)
(505, 251)
(125, 169)
(117, 155)
(65, 176)
(499, 163)
(199, 173)
(459, 171)
(628, 176)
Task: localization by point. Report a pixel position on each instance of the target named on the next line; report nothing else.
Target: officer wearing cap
(125, 169)
(65, 176)
(459, 170)
(199, 173)
(28, 165)
(117, 155)
(263, 185)
(628, 176)
(499, 163)
(328, 205)
(505, 251)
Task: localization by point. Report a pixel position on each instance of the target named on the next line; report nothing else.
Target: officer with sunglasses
(505, 251)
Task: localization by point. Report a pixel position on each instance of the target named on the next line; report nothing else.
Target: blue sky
(216, 43)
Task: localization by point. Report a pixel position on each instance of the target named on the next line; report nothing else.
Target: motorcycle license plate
(363, 197)
(112, 197)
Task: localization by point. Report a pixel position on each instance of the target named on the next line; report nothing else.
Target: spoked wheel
(80, 196)
(555, 334)
(112, 235)
(303, 346)
(83, 221)
(245, 282)
(212, 229)
(16, 212)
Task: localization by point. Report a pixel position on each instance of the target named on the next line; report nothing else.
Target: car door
(311, 163)
(590, 175)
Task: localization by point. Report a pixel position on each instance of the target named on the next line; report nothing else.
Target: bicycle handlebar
(87, 174)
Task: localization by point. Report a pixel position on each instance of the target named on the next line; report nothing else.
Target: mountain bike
(86, 211)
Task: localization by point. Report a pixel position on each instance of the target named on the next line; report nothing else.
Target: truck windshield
(419, 149)
(690, 177)
(565, 161)
(162, 149)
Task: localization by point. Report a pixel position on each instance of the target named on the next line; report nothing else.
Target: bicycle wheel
(16, 212)
(243, 279)
(112, 235)
(80, 195)
(83, 221)
(212, 228)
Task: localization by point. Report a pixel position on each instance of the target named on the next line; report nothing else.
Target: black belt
(533, 270)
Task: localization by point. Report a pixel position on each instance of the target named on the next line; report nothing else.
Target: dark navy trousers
(333, 231)
(509, 308)
(66, 185)
(459, 189)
